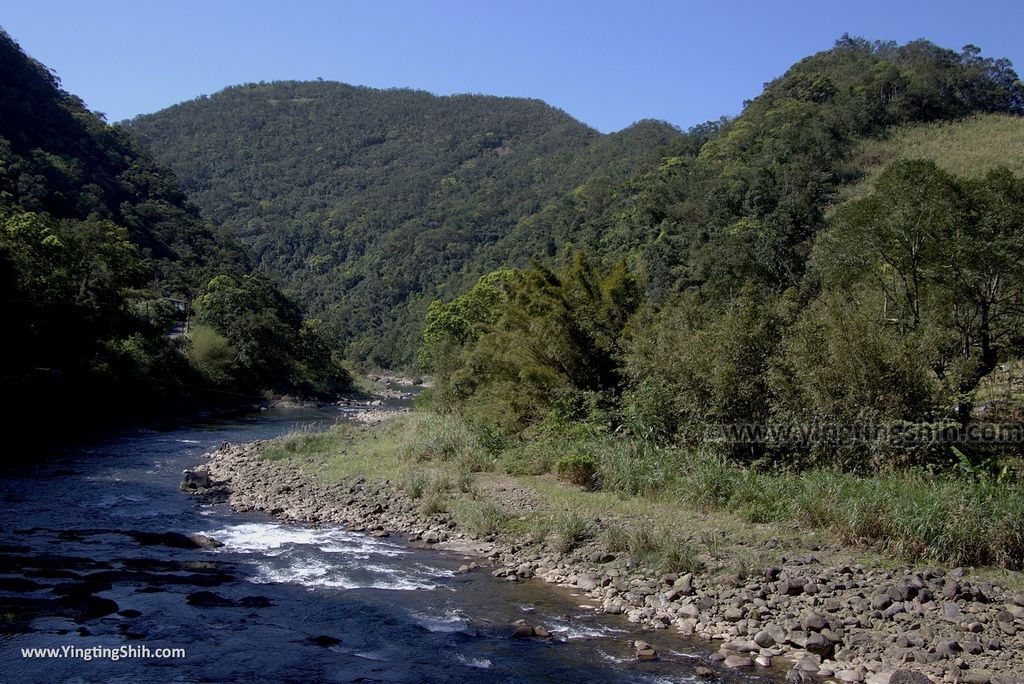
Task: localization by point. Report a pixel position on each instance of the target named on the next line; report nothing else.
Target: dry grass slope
(970, 147)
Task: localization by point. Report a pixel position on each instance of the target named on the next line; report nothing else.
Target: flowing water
(282, 602)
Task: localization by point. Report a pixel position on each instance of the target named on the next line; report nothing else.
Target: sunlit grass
(969, 148)
(675, 508)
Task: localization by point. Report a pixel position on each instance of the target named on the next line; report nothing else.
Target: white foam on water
(189, 441)
(268, 537)
(610, 658)
(292, 555)
(478, 663)
(264, 536)
(572, 632)
(448, 623)
(313, 574)
(360, 546)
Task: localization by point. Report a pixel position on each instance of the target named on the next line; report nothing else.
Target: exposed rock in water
(325, 641)
(208, 599)
(204, 542)
(193, 480)
(644, 651)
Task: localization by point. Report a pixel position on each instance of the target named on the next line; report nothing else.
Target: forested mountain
(746, 204)
(371, 203)
(101, 256)
(820, 260)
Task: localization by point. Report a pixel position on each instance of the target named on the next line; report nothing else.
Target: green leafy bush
(578, 469)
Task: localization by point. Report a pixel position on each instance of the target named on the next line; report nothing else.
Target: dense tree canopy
(100, 256)
(768, 298)
(370, 203)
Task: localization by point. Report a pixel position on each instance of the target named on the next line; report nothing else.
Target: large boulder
(193, 480)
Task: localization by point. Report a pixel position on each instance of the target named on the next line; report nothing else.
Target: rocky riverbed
(834, 621)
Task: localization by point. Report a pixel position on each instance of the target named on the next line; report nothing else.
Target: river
(298, 604)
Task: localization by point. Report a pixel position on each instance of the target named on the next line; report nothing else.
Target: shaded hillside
(370, 203)
(58, 158)
(100, 258)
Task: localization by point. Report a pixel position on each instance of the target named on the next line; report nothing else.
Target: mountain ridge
(371, 203)
(445, 176)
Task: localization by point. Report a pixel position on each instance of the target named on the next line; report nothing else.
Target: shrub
(433, 504)
(760, 498)
(415, 483)
(642, 539)
(578, 469)
(211, 353)
(711, 482)
(442, 438)
(636, 467)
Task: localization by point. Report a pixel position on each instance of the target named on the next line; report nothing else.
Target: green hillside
(371, 203)
(101, 257)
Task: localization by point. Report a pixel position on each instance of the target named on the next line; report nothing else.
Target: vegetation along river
(105, 524)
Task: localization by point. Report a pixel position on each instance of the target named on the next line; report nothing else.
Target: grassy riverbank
(676, 510)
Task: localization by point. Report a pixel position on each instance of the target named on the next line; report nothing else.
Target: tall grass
(913, 514)
(483, 518)
(956, 519)
(432, 437)
(568, 530)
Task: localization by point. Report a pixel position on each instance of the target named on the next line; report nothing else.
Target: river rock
(325, 640)
(521, 630)
(736, 661)
(813, 622)
(947, 649)
(644, 651)
(204, 542)
(208, 599)
(89, 607)
(19, 585)
(881, 602)
(819, 645)
(908, 677)
(254, 602)
(193, 480)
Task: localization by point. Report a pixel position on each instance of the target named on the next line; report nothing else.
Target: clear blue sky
(606, 63)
